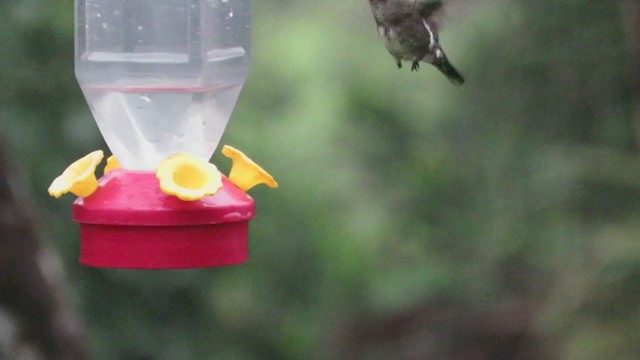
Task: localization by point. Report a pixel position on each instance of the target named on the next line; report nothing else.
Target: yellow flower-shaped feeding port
(245, 173)
(112, 164)
(187, 177)
(79, 178)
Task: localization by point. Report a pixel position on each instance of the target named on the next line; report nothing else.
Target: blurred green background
(414, 219)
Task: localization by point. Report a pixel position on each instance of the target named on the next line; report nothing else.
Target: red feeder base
(130, 223)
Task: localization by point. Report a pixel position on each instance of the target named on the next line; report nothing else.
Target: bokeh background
(414, 219)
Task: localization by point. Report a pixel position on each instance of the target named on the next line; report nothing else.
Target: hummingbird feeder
(162, 78)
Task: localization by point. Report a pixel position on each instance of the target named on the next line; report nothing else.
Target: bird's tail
(449, 71)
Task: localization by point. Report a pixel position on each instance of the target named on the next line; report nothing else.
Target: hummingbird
(409, 29)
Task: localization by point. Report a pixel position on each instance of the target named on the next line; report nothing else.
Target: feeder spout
(79, 178)
(112, 164)
(245, 173)
(189, 178)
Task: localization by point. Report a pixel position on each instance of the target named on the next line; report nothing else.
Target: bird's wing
(432, 11)
(429, 8)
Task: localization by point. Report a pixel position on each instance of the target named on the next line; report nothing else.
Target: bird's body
(409, 30)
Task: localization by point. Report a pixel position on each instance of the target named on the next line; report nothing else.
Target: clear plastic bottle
(161, 76)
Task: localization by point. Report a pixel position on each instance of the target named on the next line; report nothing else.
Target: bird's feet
(415, 66)
(399, 64)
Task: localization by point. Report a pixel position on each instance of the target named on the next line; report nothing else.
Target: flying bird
(409, 30)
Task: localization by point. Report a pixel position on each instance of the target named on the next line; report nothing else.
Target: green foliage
(396, 188)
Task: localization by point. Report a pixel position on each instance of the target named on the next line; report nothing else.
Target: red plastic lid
(130, 223)
(135, 198)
